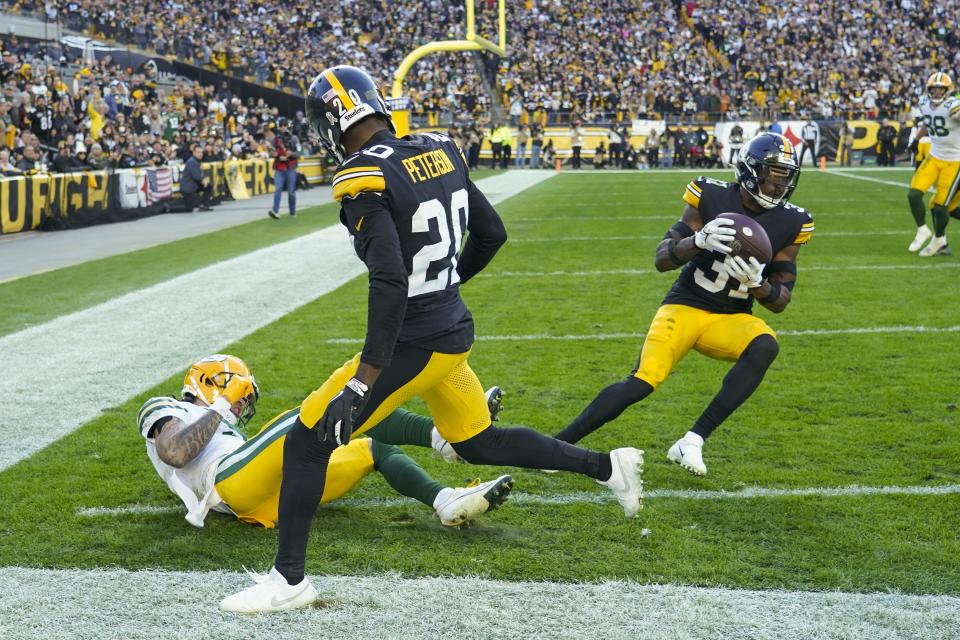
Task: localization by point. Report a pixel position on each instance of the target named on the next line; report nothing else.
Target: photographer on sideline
(286, 152)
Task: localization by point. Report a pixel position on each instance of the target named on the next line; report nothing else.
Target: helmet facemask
(937, 93)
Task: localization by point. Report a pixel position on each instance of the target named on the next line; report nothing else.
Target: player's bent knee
(301, 444)
(762, 349)
(479, 449)
(914, 195)
(380, 452)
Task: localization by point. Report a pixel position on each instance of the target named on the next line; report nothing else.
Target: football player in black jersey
(709, 306)
(408, 203)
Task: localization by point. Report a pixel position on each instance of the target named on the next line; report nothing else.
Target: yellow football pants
(677, 328)
(945, 174)
(450, 387)
(248, 480)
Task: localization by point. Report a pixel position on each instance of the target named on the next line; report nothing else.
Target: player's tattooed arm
(776, 291)
(679, 247)
(178, 442)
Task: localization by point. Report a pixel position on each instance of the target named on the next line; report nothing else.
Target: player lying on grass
(195, 446)
(709, 306)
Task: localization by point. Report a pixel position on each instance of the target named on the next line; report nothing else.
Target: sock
(940, 220)
(403, 427)
(915, 198)
(739, 383)
(403, 474)
(607, 406)
(523, 447)
(305, 461)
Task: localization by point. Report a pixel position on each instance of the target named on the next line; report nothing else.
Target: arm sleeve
(487, 235)
(368, 218)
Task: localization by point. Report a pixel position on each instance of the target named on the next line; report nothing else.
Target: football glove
(716, 235)
(336, 425)
(749, 272)
(237, 388)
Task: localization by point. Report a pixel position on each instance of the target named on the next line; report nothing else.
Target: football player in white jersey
(940, 115)
(196, 447)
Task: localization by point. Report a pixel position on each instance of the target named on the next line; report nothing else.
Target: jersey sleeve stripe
(803, 237)
(691, 198)
(350, 170)
(357, 184)
(359, 174)
(696, 189)
(153, 402)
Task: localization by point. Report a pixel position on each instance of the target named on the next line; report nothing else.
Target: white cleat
(923, 234)
(270, 594)
(468, 503)
(625, 481)
(937, 246)
(688, 455)
(443, 448)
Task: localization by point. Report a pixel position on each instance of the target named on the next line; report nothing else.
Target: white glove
(748, 273)
(716, 235)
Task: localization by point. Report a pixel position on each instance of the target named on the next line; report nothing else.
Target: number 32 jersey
(408, 203)
(704, 283)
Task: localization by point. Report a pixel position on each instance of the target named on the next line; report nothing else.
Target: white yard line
(919, 264)
(594, 497)
(65, 372)
(533, 337)
(38, 604)
(892, 183)
(823, 234)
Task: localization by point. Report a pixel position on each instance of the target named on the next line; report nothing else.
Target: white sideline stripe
(835, 172)
(593, 497)
(70, 603)
(622, 336)
(644, 272)
(824, 234)
(102, 356)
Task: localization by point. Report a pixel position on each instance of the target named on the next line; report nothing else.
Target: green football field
(841, 473)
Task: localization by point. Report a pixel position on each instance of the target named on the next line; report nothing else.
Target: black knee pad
(763, 349)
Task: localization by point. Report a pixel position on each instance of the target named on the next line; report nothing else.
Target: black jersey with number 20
(408, 203)
(704, 283)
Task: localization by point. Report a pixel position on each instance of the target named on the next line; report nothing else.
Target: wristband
(222, 406)
(671, 246)
(774, 293)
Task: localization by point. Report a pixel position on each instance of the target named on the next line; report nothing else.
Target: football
(751, 239)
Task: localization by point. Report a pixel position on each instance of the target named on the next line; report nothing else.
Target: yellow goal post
(400, 105)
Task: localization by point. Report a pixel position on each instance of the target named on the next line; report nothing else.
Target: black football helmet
(339, 98)
(768, 160)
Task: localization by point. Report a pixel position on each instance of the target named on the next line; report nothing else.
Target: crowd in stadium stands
(599, 61)
(830, 58)
(284, 43)
(104, 116)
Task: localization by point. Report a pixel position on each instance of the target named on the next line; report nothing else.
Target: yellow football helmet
(939, 85)
(207, 378)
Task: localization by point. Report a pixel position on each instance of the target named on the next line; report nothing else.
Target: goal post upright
(473, 42)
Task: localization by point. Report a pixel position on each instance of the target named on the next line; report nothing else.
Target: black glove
(336, 425)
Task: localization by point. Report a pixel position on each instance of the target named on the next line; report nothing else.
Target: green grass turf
(837, 410)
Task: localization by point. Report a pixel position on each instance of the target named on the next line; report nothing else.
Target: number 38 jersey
(941, 121)
(704, 283)
(408, 203)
